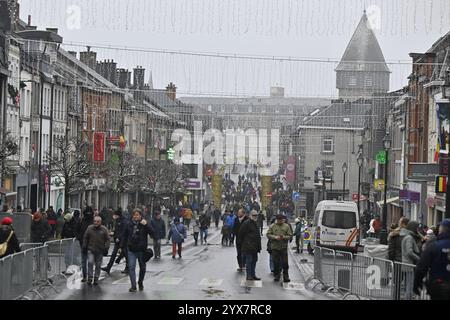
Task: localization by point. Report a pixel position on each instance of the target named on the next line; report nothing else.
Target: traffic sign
(296, 196)
(381, 157)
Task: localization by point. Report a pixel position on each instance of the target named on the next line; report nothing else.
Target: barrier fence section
(364, 277)
(32, 269)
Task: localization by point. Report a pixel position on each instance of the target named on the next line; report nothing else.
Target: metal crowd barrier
(62, 254)
(29, 271)
(364, 277)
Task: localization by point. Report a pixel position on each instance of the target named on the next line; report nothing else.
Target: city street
(204, 272)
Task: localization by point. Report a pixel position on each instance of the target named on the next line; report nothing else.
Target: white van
(336, 225)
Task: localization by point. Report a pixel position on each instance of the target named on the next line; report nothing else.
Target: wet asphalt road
(204, 272)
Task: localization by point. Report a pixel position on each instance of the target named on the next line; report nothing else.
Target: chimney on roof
(54, 30)
(29, 20)
(171, 91)
(89, 58)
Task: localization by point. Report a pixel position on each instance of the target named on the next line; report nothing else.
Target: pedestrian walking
(8, 239)
(187, 217)
(434, 265)
(216, 215)
(260, 220)
(159, 232)
(395, 241)
(251, 244)
(205, 222)
(86, 221)
(241, 218)
(120, 225)
(298, 233)
(51, 219)
(177, 233)
(431, 236)
(280, 233)
(96, 242)
(69, 231)
(411, 244)
(59, 223)
(40, 229)
(135, 239)
(196, 231)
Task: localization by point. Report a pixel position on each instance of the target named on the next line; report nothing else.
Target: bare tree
(123, 172)
(164, 177)
(70, 163)
(8, 148)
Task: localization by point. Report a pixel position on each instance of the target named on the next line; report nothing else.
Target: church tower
(362, 70)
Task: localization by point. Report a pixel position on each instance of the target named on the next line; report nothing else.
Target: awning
(390, 200)
(10, 194)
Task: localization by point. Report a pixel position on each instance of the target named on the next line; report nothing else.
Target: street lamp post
(383, 232)
(360, 160)
(344, 170)
(331, 184)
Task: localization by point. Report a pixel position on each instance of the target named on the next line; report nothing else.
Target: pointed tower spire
(362, 69)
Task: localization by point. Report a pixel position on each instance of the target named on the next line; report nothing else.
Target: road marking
(124, 280)
(170, 281)
(293, 286)
(211, 282)
(251, 283)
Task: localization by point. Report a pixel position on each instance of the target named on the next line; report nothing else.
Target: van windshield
(339, 219)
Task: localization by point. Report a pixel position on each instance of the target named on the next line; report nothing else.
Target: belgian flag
(441, 184)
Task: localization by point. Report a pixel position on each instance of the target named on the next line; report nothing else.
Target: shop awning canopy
(390, 200)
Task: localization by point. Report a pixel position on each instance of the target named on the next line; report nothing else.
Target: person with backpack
(8, 239)
(177, 233)
(135, 239)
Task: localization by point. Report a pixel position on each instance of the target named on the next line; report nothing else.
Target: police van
(336, 226)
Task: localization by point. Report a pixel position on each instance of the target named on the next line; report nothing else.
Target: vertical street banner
(216, 186)
(99, 147)
(266, 190)
(290, 170)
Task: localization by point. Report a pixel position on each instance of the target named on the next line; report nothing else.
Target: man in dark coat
(40, 229)
(434, 263)
(240, 219)
(159, 232)
(119, 229)
(86, 221)
(250, 238)
(135, 239)
(8, 235)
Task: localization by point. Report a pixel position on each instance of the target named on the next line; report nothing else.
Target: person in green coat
(280, 233)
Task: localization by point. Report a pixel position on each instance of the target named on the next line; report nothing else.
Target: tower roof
(363, 53)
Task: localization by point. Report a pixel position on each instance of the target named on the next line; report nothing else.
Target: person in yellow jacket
(187, 217)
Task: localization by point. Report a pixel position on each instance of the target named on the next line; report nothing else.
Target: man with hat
(8, 236)
(120, 224)
(280, 233)
(435, 262)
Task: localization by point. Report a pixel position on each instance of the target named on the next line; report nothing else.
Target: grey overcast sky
(297, 28)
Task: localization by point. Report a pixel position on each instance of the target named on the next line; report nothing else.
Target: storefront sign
(425, 171)
(379, 184)
(409, 195)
